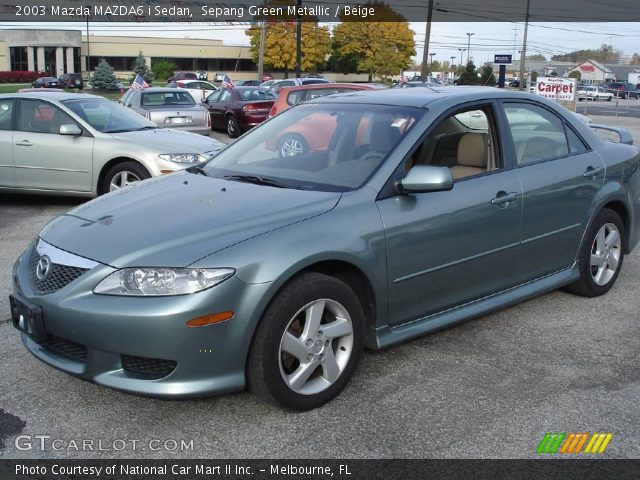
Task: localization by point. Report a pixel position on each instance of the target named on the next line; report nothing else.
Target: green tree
(536, 57)
(635, 59)
(103, 77)
(487, 77)
(604, 54)
(575, 74)
(280, 46)
(163, 68)
(381, 48)
(469, 75)
(141, 68)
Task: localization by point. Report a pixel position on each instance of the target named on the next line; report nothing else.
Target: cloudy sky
(446, 38)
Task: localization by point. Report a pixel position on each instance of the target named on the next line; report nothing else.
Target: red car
(309, 136)
(240, 108)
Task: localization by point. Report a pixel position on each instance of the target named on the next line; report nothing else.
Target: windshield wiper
(256, 180)
(198, 170)
(122, 130)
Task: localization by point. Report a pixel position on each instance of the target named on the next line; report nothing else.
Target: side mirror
(70, 129)
(426, 178)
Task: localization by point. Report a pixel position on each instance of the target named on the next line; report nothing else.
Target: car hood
(167, 140)
(177, 219)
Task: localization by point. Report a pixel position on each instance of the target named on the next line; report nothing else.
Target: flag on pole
(139, 83)
(227, 82)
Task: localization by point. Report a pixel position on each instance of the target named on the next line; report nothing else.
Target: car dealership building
(69, 51)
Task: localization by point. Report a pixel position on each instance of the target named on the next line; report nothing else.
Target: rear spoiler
(623, 133)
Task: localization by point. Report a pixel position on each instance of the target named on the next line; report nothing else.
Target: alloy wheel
(291, 147)
(123, 179)
(605, 254)
(316, 346)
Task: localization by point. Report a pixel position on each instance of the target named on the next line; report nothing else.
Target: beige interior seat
(472, 155)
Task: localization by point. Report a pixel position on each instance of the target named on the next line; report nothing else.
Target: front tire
(601, 255)
(123, 174)
(292, 145)
(308, 343)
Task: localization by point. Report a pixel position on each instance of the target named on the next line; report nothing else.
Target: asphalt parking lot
(489, 388)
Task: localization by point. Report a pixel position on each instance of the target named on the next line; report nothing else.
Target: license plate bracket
(27, 318)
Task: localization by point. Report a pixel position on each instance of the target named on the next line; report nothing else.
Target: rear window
(257, 94)
(154, 99)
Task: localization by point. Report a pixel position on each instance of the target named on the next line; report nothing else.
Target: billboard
(557, 88)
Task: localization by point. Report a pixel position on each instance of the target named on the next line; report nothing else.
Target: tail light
(273, 111)
(251, 107)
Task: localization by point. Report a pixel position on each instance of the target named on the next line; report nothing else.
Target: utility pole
(263, 34)
(427, 35)
(461, 50)
(298, 40)
(469, 45)
(523, 53)
(88, 50)
(451, 66)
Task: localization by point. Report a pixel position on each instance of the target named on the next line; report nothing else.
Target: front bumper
(207, 360)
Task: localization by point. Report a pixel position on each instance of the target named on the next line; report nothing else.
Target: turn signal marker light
(210, 319)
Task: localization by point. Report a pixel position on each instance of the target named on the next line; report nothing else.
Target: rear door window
(6, 113)
(41, 117)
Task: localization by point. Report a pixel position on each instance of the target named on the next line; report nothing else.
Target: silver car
(169, 107)
(86, 145)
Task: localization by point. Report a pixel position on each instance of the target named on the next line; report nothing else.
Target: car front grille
(147, 367)
(57, 277)
(66, 348)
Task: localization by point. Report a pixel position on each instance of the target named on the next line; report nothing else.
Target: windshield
(108, 116)
(154, 99)
(329, 147)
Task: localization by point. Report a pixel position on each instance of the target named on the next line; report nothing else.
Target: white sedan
(198, 89)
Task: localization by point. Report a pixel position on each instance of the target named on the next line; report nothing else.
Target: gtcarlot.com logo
(46, 442)
(573, 443)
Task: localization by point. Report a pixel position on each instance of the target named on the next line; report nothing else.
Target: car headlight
(183, 157)
(146, 281)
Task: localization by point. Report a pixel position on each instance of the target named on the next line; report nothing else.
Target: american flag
(139, 83)
(403, 79)
(227, 82)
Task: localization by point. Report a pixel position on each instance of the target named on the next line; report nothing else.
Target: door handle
(24, 143)
(503, 199)
(591, 172)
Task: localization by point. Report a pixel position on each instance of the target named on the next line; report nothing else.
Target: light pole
(431, 60)
(451, 66)
(469, 45)
(461, 50)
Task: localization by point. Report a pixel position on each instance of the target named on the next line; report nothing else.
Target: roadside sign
(502, 59)
(557, 88)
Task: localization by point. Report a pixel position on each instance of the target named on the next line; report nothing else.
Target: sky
(446, 38)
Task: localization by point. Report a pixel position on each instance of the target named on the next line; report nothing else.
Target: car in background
(198, 89)
(284, 269)
(202, 75)
(292, 82)
(46, 82)
(247, 83)
(71, 80)
(290, 96)
(416, 83)
(40, 90)
(623, 90)
(169, 108)
(238, 109)
(512, 82)
(182, 76)
(266, 77)
(594, 94)
(85, 145)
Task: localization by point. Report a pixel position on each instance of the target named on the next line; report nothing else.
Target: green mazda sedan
(399, 212)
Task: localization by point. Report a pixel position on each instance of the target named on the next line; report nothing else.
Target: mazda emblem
(43, 268)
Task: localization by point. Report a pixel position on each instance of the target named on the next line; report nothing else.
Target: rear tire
(307, 344)
(601, 255)
(233, 129)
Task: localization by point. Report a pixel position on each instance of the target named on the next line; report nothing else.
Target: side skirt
(387, 336)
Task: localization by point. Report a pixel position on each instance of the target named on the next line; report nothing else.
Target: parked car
(594, 94)
(202, 75)
(86, 145)
(198, 89)
(71, 80)
(623, 90)
(182, 76)
(238, 109)
(292, 82)
(513, 82)
(283, 269)
(416, 83)
(46, 82)
(290, 96)
(40, 90)
(266, 77)
(169, 108)
(247, 83)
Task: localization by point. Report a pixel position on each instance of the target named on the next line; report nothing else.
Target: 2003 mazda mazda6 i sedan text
(419, 209)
